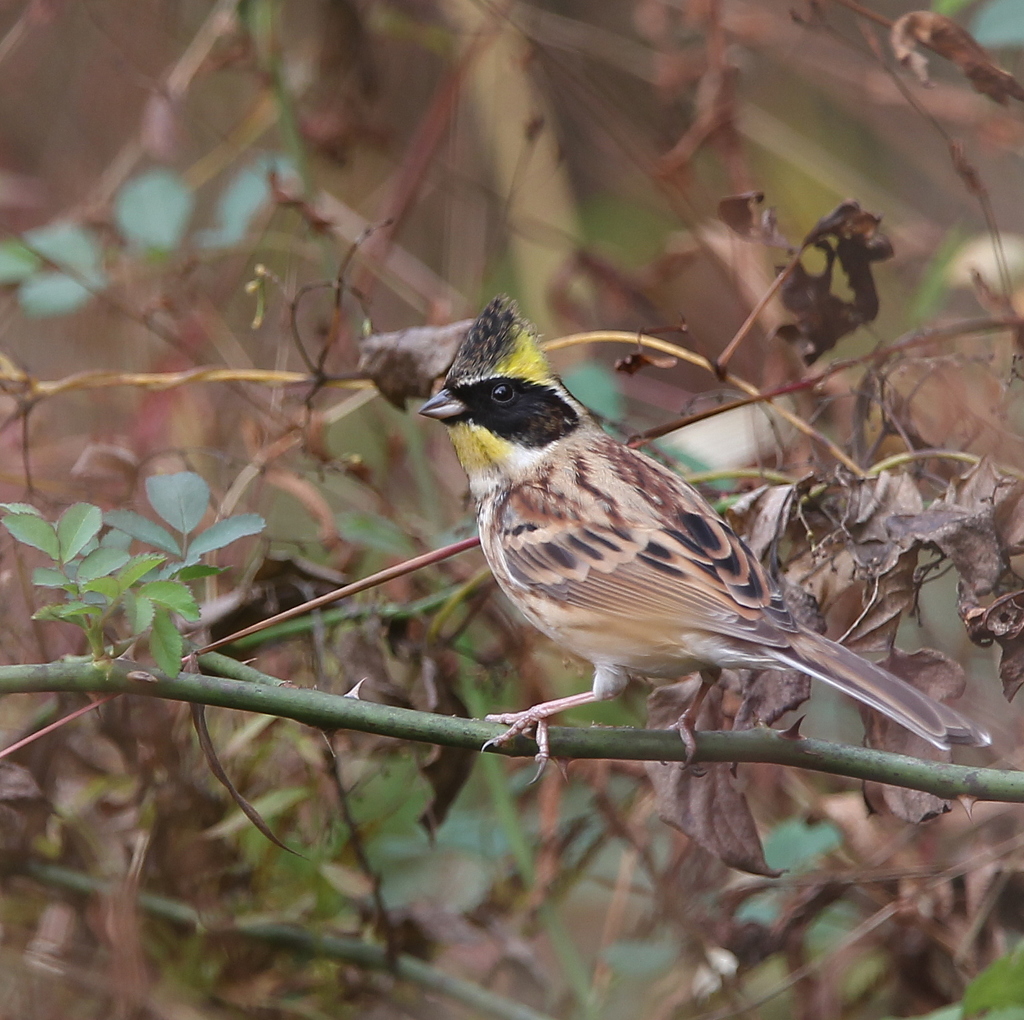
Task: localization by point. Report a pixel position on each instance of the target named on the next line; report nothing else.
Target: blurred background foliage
(257, 184)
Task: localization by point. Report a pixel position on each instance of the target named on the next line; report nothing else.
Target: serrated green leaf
(196, 570)
(180, 499)
(115, 539)
(20, 508)
(138, 567)
(173, 595)
(69, 611)
(152, 210)
(101, 562)
(143, 529)
(79, 524)
(50, 577)
(166, 644)
(999, 985)
(224, 533)
(138, 612)
(32, 530)
(105, 586)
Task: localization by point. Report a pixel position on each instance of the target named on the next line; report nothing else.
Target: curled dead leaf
(405, 364)
(945, 37)
(848, 235)
(739, 213)
(943, 679)
(636, 360)
(708, 806)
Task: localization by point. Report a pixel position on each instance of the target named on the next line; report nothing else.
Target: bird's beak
(443, 404)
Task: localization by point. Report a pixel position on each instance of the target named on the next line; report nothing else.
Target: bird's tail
(825, 660)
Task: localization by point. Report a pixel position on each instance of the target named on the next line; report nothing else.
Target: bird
(617, 558)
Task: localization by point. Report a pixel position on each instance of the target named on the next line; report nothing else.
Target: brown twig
(382, 576)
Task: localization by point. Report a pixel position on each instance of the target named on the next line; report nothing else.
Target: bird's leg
(609, 681)
(537, 716)
(688, 720)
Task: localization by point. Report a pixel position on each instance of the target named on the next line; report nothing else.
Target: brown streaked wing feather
(656, 550)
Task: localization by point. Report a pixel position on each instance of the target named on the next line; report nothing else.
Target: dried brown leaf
(849, 235)
(633, 362)
(966, 537)
(1002, 622)
(23, 810)
(739, 213)
(769, 695)
(939, 677)
(1011, 666)
(945, 37)
(761, 516)
(406, 363)
(706, 806)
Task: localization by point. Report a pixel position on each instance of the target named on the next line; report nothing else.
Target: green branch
(286, 936)
(253, 691)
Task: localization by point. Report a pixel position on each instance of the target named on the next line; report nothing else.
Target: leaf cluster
(102, 579)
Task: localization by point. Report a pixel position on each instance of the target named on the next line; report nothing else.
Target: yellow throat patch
(478, 448)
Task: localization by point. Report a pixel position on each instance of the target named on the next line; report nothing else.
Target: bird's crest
(500, 343)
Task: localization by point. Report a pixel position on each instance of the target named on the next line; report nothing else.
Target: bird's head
(501, 400)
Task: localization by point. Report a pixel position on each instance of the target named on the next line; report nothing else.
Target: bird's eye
(502, 393)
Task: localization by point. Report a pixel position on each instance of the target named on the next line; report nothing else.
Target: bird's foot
(519, 724)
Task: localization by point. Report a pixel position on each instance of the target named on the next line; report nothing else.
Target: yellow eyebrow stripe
(525, 361)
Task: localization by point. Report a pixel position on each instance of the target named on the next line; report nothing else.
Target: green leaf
(20, 508)
(999, 985)
(374, 532)
(51, 293)
(794, 844)
(197, 570)
(105, 586)
(166, 644)
(242, 199)
(17, 263)
(50, 577)
(172, 594)
(78, 525)
(101, 562)
(32, 530)
(143, 529)
(116, 539)
(641, 958)
(138, 612)
(69, 246)
(270, 805)
(224, 533)
(1000, 23)
(152, 210)
(597, 387)
(180, 499)
(69, 611)
(138, 567)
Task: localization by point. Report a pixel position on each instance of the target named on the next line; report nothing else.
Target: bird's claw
(518, 724)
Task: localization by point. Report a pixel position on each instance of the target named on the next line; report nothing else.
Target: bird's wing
(637, 540)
